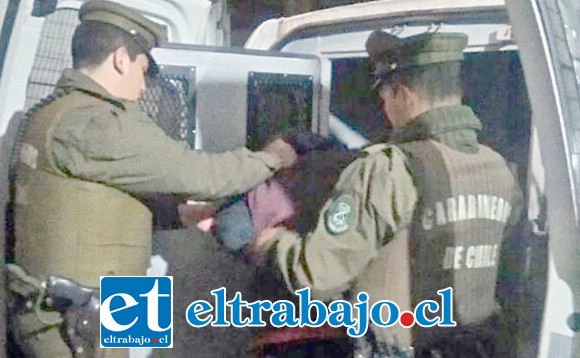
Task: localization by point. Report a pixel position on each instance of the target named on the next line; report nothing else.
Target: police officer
(423, 212)
(87, 156)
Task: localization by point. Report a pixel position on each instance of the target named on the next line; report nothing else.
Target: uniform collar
(74, 79)
(438, 122)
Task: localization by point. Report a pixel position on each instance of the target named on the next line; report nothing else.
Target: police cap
(390, 53)
(146, 33)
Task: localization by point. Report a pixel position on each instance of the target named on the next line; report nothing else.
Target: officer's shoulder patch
(339, 215)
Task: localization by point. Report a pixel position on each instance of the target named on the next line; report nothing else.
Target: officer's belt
(27, 294)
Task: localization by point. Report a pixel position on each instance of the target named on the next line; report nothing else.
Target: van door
(234, 97)
(263, 94)
(548, 35)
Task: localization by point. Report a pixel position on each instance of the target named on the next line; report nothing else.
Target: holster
(57, 302)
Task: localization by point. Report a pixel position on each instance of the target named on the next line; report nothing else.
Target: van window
(493, 86)
(353, 100)
(493, 82)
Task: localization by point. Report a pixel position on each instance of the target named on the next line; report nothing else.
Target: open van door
(548, 37)
(218, 99)
(264, 93)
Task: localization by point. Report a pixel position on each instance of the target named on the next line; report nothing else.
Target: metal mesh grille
(53, 55)
(277, 103)
(168, 101)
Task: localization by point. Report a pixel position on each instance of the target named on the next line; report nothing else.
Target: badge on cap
(338, 217)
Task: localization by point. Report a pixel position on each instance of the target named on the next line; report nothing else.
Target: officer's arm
(374, 198)
(132, 153)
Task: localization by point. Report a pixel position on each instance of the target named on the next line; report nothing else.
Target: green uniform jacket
(375, 201)
(86, 158)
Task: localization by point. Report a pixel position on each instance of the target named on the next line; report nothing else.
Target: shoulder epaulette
(383, 148)
(387, 149)
(374, 148)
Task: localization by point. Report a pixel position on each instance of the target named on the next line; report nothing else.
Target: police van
(521, 77)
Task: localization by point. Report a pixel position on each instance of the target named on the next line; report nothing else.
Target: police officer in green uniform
(88, 155)
(425, 211)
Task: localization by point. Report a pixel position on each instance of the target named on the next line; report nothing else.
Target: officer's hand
(282, 150)
(266, 238)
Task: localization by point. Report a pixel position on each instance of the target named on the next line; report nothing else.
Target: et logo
(136, 311)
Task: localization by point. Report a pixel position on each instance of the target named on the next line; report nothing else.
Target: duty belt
(28, 293)
(57, 301)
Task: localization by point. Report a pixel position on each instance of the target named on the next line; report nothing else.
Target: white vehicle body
(523, 67)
